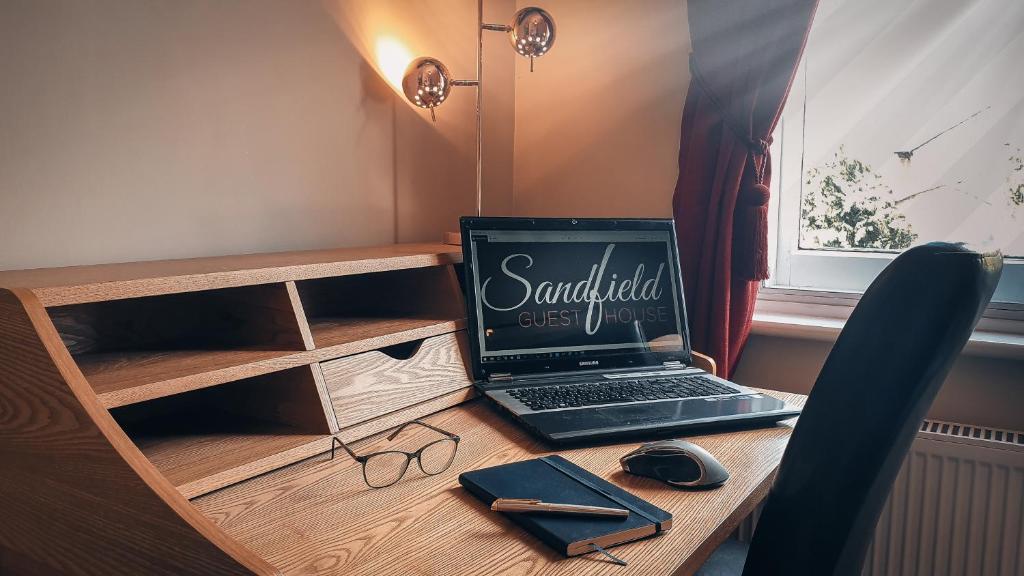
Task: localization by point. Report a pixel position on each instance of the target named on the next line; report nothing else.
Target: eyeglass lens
(437, 456)
(385, 468)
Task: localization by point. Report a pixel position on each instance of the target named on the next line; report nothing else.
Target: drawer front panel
(372, 384)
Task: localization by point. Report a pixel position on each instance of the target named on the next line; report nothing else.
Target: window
(905, 124)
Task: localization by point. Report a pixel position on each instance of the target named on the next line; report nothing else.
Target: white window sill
(818, 317)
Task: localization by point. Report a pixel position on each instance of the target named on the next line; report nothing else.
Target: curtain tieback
(750, 218)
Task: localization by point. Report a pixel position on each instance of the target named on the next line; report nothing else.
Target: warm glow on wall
(392, 59)
(427, 80)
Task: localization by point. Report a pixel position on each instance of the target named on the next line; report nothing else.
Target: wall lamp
(428, 82)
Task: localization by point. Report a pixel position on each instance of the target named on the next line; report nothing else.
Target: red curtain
(744, 57)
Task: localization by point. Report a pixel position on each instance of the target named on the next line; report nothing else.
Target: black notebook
(556, 480)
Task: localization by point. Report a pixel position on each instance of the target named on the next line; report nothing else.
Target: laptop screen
(575, 298)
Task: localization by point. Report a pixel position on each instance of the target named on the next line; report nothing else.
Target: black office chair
(866, 406)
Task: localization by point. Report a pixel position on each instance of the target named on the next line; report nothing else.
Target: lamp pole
(479, 107)
(427, 81)
(479, 85)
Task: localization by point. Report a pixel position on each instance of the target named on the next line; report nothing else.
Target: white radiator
(956, 507)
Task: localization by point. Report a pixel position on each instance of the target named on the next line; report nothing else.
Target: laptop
(577, 328)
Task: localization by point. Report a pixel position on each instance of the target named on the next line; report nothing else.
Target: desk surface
(318, 517)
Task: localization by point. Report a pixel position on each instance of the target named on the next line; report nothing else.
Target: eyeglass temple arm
(435, 429)
(335, 442)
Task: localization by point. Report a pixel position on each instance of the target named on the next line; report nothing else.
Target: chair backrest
(869, 400)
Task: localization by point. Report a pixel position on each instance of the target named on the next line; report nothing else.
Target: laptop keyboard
(618, 391)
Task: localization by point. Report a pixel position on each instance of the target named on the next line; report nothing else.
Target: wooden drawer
(375, 383)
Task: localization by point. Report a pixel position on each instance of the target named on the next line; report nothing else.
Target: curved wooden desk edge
(77, 496)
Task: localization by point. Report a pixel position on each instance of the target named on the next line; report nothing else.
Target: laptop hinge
(500, 377)
(673, 364)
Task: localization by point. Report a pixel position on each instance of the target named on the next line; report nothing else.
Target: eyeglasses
(382, 469)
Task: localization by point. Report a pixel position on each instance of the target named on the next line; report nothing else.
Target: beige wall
(141, 130)
(175, 129)
(597, 122)
(979, 390)
(144, 130)
(435, 177)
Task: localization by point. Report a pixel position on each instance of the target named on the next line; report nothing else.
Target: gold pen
(528, 505)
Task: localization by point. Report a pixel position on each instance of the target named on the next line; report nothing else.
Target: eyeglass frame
(409, 456)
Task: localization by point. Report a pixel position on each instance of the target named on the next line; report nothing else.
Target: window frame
(794, 301)
(848, 271)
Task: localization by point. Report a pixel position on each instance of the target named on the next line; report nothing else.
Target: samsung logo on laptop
(589, 363)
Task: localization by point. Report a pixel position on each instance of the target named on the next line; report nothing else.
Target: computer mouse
(677, 463)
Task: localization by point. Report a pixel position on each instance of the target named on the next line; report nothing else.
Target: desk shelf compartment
(213, 437)
(369, 386)
(138, 349)
(356, 313)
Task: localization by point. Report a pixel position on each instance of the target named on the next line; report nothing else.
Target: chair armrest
(705, 363)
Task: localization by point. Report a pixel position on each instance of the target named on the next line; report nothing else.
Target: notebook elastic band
(586, 482)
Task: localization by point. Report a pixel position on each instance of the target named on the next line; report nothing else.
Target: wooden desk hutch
(143, 405)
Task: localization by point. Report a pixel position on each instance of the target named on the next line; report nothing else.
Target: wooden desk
(318, 517)
(153, 401)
